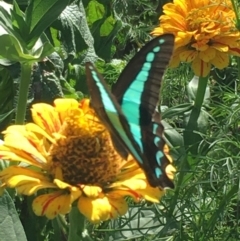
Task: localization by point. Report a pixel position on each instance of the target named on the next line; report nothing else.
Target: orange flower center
(84, 153)
(215, 16)
(208, 22)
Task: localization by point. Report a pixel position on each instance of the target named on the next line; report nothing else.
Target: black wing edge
(151, 149)
(132, 68)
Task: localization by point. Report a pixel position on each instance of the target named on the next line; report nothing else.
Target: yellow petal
(101, 209)
(62, 106)
(95, 210)
(181, 7)
(234, 51)
(92, 191)
(74, 192)
(31, 127)
(145, 192)
(151, 194)
(15, 129)
(52, 204)
(221, 60)
(175, 60)
(119, 207)
(220, 47)
(16, 170)
(188, 55)
(133, 184)
(63, 185)
(46, 117)
(201, 68)
(24, 180)
(138, 189)
(18, 156)
(135, 174)
(182, 39)
(29, 187)
(157, 31)
(226, 41)
(17, 142)
(131, 170)
(125, 192)
(200, 45)
(129, 187)
(207, 55)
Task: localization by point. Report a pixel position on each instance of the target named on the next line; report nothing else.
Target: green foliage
(46, 43)
(11, 227)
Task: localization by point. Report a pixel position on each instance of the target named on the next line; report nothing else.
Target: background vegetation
(205, 202)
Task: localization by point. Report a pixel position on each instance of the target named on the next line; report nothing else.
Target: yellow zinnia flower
(69, 156)
(205, 33)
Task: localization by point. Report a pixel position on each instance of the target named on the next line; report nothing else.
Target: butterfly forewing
(143, 74)
(110, 113)
(129, 111)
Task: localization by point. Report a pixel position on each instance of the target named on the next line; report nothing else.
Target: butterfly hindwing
(155, 149)
(129, 111)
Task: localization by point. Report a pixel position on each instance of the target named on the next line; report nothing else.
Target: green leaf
(104, 44)
(18, 21)
(174, 140)
(202, 121)
(84, 29)
(40, 14)
(47, 74)
(5, 15)
(10, 224)
(176, 110)
(13, 50)
(3, 164)
(6, 98)
(6, 62)
(95, 11)
(104, 28)
(5, 115)
(70, 25)
(12, 22)
(192, 89)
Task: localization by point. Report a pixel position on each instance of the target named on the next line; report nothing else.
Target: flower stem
(190, 136)
(202, 85)
(77, 231)
(26, 69)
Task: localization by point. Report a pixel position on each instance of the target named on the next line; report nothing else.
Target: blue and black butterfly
(129, 111)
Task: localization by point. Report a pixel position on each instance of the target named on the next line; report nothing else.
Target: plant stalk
(26, 69)
(191, 138)
(77, 230)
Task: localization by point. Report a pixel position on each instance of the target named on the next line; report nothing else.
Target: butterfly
(129, 110)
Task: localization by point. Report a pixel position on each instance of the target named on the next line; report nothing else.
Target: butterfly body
(129, 111)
